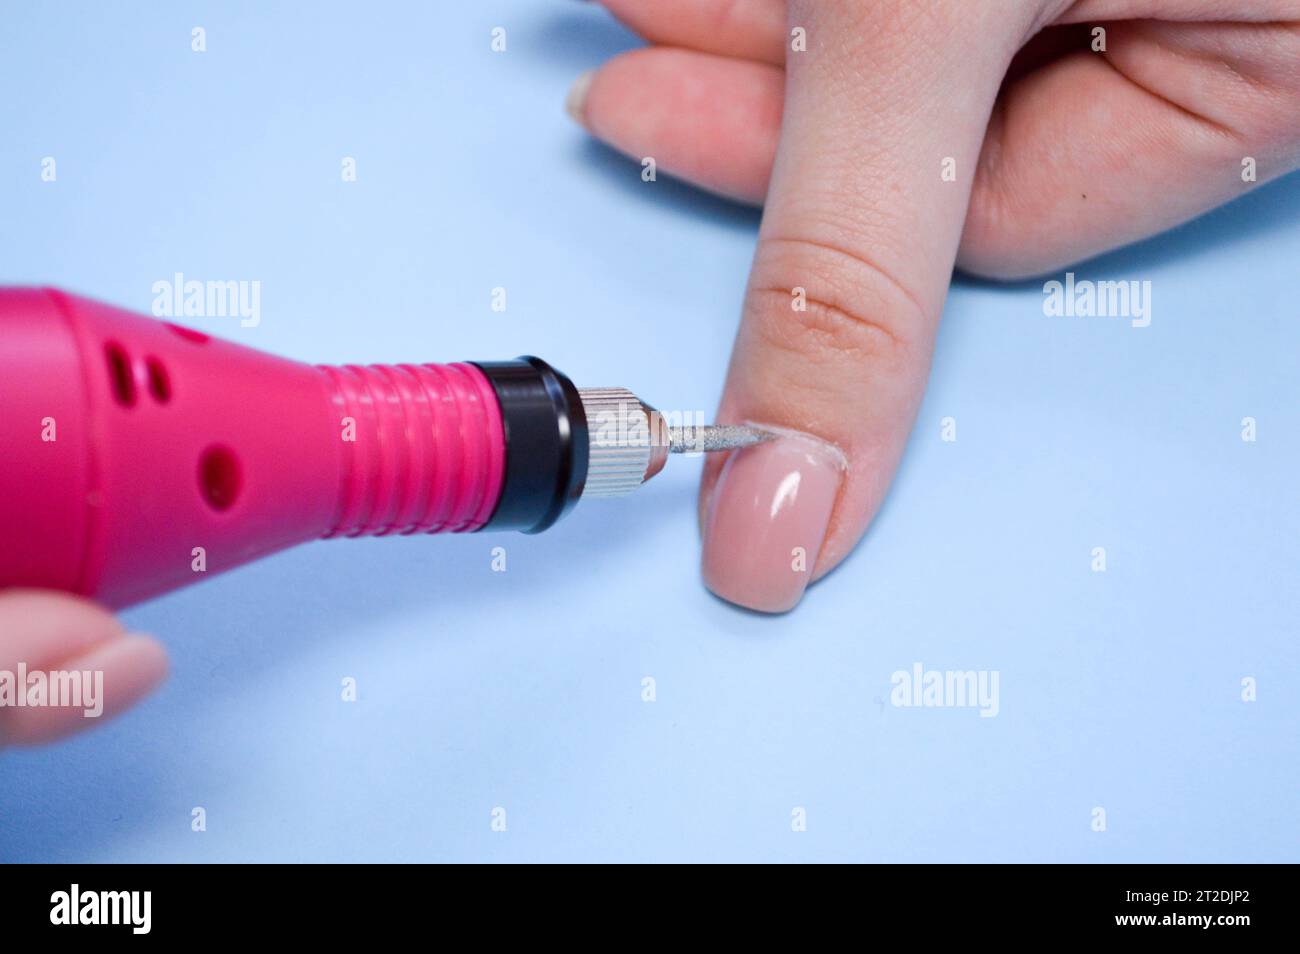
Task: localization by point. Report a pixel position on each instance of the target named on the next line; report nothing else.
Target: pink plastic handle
(137, 456)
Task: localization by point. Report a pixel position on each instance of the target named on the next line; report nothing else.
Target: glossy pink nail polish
(767, 519)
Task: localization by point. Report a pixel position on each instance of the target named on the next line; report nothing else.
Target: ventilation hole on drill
(219, 477)
(189, 334)
(119, 374)
(160, 385)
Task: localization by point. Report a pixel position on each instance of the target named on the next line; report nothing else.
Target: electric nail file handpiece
(135, 453)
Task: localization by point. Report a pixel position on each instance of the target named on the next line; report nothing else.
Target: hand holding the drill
(889, 141)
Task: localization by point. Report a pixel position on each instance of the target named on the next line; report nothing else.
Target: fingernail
(575, 103)
(767, 519)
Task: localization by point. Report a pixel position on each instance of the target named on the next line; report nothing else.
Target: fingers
(855, 253)
(1086, 151)
(1096, 150)
(708, 119)
(66, 664)
(748, 29)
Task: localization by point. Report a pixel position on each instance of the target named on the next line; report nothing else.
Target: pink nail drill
(128, 443)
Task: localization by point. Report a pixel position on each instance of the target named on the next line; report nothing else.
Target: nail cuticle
(822, 448)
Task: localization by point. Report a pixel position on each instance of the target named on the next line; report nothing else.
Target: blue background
(523, 689)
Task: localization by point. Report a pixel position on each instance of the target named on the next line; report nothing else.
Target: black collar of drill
(546, 443)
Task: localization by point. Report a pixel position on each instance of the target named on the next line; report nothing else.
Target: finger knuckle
(809, 297)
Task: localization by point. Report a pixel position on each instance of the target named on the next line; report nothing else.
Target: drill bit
(714, 437)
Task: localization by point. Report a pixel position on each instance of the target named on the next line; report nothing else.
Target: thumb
(856, 249)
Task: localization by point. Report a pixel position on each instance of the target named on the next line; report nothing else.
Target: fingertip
(142, 664)
(710, 120)
(84, 690)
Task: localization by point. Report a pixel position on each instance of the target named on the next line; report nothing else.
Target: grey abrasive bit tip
(714, 437)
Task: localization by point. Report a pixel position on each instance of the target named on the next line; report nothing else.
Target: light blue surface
(522, 689)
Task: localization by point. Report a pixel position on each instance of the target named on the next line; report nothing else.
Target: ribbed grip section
(423, 448)
(618, 431)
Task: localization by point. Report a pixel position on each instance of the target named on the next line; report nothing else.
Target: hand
(1078, 152)
(46, 633)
